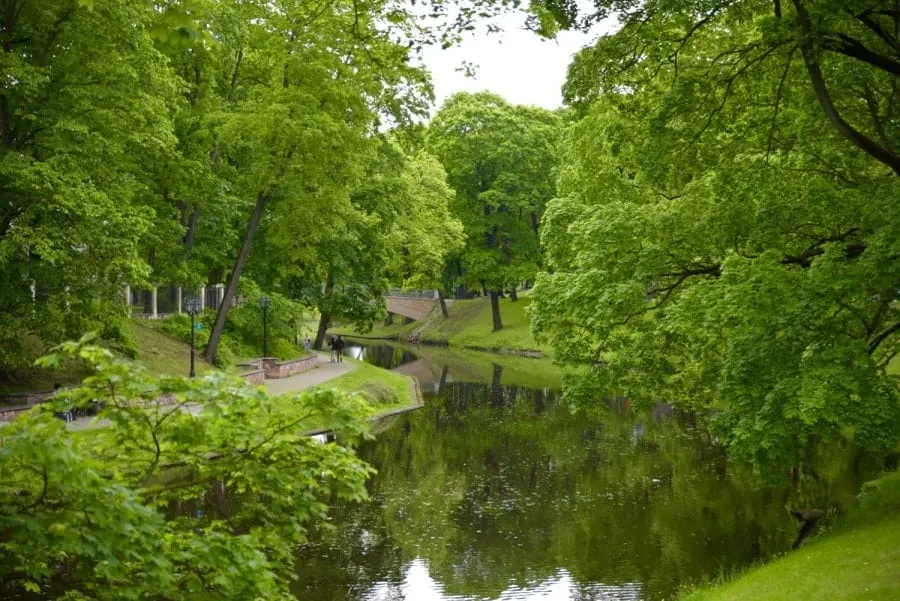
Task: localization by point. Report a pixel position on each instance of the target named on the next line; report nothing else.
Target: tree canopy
(722, 241)
(500, 159)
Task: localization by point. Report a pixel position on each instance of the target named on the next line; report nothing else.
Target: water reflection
(416, 583)
(495, 490)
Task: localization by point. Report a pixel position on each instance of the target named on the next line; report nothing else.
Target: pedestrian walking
(339, 349)
(306, 343)
(331, 343)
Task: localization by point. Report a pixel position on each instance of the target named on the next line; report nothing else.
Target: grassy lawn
(162, 354)
(470, 325)
(388, 390)
(859, 561)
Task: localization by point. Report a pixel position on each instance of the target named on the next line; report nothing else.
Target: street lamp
(192, 306)
(264, 302)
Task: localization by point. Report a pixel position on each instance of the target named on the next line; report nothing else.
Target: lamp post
(264, 302)
(192, 306)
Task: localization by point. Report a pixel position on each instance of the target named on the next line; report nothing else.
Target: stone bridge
(415, 304)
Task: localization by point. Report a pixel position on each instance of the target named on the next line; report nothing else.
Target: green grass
(395, 331)
(387, 389)
(858, 561)
(470, 325)
(162, 354)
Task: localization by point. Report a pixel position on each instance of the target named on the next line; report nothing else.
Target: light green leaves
(186, 486)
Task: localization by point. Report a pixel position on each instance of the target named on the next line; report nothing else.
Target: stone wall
(272, 368)
(24, 399)
(257, 376)
(289, 368)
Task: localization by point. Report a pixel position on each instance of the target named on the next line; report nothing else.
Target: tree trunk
(234, 277)
(512, 295)
(324, 320)
(191, 234)
(324, 317)
(443, 303)
(389, 320)
(495, 311)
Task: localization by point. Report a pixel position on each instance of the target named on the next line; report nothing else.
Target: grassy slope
(470, 324)
(388, 390)
(859, 561)
(392, 332)
(163, 354)
(158, 352)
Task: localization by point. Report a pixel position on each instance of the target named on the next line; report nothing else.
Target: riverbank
(468, 326)
(858, 560)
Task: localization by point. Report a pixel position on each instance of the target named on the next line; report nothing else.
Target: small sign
(198, 326)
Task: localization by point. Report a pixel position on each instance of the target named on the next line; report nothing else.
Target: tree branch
(853, 48)
(873, 346)
(810, 58)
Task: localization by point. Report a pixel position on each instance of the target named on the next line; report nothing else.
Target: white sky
(516, 64)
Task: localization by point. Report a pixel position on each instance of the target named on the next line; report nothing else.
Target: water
(495, 490)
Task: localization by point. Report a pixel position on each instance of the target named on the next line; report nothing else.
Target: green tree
(717, 244)
(308, 86)
(203, 497)
(426, 232)
(500, 159)
(84, 106)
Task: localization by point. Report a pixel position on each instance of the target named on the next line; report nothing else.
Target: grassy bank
(396, 331)
(388, 391)
(858, 561)
(469, 326)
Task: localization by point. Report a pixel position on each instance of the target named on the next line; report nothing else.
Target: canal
(496, 489)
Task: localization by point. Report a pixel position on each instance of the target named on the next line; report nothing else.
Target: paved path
(324, 371)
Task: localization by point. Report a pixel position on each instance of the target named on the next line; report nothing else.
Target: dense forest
(712, 220)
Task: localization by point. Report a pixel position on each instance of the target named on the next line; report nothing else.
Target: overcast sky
(516, 64)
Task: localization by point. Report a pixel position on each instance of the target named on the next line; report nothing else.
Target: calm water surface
(499, 491)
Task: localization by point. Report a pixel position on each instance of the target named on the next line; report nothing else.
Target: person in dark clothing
(331, 345)
(339, 349)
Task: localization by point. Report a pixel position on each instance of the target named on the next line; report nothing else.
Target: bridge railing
(398, 292)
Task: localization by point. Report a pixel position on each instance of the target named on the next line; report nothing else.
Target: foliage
(847, 55)
(86, 103)
(110, 515)
(713, 247)
(500, 159)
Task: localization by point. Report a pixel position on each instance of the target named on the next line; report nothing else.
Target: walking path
(323, 372)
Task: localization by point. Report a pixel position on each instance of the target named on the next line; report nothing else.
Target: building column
(220, 294)
(33, 288)
(127, 296)
(153, 314)
(178, 300)
(202, 294)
